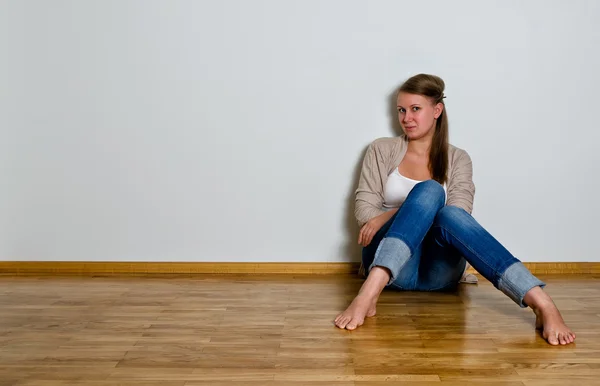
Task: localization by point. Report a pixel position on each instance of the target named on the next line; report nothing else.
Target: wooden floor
(277, 330)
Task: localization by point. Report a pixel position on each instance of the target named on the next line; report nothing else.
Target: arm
(461, 189)
(369, 194)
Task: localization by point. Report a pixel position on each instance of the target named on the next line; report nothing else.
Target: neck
(420, 146)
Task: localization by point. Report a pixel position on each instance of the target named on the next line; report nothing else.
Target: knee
(431, 190)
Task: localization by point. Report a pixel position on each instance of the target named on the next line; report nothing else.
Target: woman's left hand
(368, 231)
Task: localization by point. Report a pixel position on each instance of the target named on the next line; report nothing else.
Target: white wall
(233, 130)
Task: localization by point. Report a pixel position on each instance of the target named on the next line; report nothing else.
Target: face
(417, 115)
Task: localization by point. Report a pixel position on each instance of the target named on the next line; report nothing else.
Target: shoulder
(456, 154)
(387, 145)
(460, 163)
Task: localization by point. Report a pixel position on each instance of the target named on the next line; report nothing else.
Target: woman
(414, 203)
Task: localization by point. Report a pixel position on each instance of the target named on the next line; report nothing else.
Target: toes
(562, 339)
(338, 320)
(354, 324)
(553, 339)
(343, 322)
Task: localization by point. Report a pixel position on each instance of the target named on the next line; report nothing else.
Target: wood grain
(277, 330)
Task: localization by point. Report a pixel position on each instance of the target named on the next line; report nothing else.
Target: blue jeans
(426, 245)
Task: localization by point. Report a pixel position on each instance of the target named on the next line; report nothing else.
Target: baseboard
(80, 268)
(561, 268)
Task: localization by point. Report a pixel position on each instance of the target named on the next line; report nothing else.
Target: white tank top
(397, 188)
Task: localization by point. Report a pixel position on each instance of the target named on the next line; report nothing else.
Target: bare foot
(365, 302)
(548, 318)
(554, 329)
(362, 306)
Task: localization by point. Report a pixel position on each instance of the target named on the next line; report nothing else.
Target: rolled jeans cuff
(392, 253)
(516, 281)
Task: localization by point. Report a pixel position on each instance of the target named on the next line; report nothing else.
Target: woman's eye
(401, 110)
(416, 108)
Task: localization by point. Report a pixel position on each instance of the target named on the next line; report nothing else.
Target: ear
(437, 110)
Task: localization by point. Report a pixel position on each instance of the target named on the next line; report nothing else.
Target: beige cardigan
(385, 154)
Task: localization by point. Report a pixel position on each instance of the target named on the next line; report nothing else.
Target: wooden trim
(560, 268)
(81, 268)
